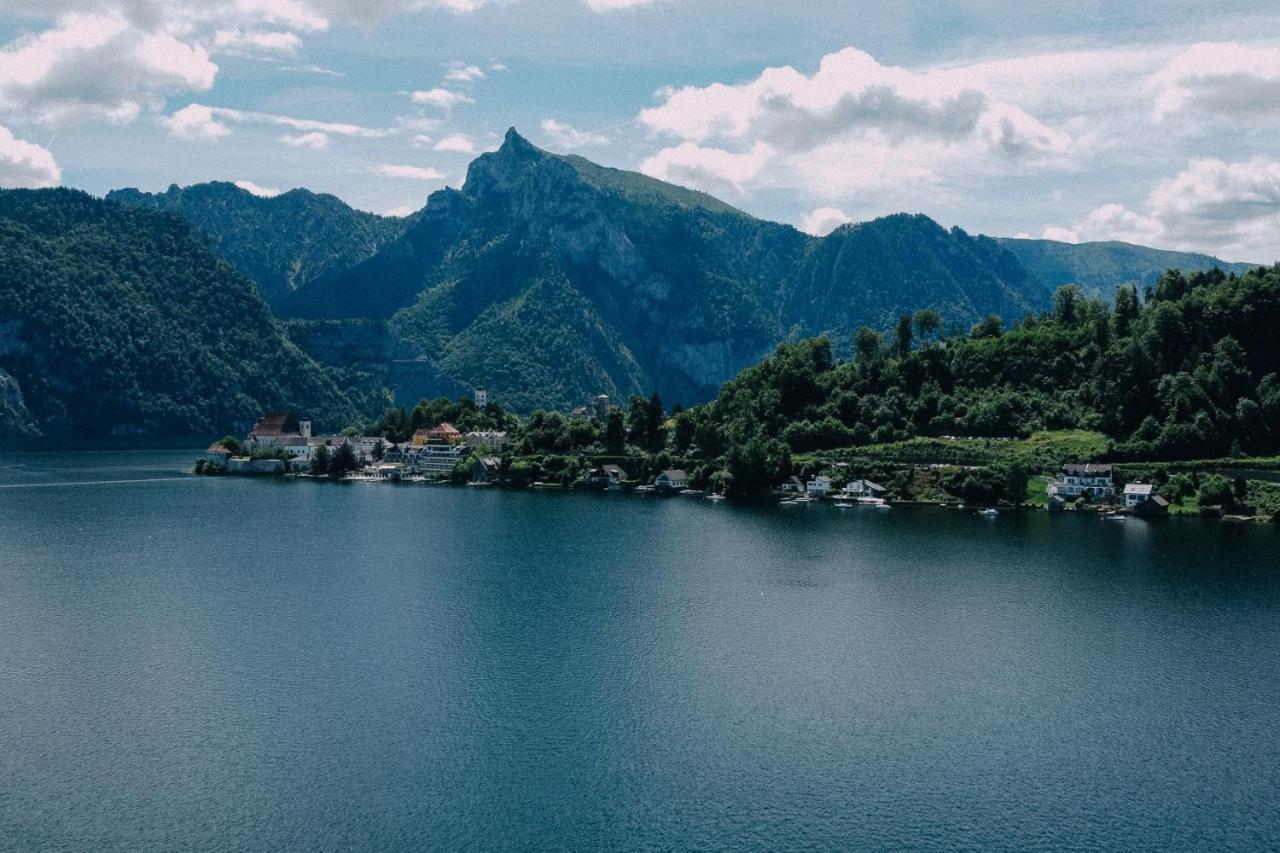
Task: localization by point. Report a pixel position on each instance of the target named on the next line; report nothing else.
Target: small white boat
(1113, 516)
(843, 505)
(803, 499)
(715, 498)
(788, 503)
(989, 511)
(883, 506)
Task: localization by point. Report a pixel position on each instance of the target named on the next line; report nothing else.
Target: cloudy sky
(1152, 122)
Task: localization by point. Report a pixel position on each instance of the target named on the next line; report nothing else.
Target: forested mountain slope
(1099, 268)
(283, 242)
(117, 321)
(548, 278)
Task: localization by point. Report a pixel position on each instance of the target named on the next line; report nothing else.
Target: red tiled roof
(275, 423)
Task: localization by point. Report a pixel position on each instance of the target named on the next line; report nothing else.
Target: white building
(671, 480)
(819, 486)
(493, 439)
(364, 446)
(433, 459)
(862, 489)
(1091, 480)
(275, 427)
(482, 398)
(1136, 494)
(297, 447)
(217, 455)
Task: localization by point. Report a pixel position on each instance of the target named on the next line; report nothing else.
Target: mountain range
(281, 242)
(544, 278)
(1099, 268)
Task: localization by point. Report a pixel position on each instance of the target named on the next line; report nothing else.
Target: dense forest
(119, 321)
(1187, 369)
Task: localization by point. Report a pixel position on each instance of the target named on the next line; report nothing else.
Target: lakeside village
(281, 444)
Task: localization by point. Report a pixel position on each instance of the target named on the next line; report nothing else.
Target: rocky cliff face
(15, 420)
(548, 279)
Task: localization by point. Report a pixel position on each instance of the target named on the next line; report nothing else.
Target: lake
(234, 664)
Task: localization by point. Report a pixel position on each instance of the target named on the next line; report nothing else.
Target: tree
(637, 421)
(684, 431)
(615, 432)
(902, 336)
(344, 461)
(927, 323)
(378, 451)
(990, 326)
(1216, 490)
(1126, 310)
(655, 433)
(230, 442)
(320, 461)
(1066, 305)
(867, 343)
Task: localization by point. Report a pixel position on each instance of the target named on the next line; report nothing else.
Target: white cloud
(565, 136)
(1220, 78)
(1229, 209)
(461, 72)
(98, 66)
(269, 41)
(200, 122)
(856, 124)
(713, 170)
(416, 173)
(116, 59)
(1062, 235)
(456, 143)
(850, 96)
(315, 140)
(498, 67)
(614, 5)
(445, 99)
(258, 189)
(823, 220)
(25, 164)
(196, 123)
(311, 69)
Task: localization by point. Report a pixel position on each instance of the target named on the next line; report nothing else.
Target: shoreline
(760, 501)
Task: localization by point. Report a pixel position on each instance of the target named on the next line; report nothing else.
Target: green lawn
(1036, 494)
(1042, 451)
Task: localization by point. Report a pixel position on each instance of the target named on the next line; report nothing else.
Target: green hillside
(117, 321)
(1193, 373)
(1099, 268)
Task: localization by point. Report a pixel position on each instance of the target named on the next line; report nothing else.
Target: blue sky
(1147, 122)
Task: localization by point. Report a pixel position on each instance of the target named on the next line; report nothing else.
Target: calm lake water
(230, 664)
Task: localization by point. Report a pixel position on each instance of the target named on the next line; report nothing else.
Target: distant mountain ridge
(282, 242)
(547, 278)
(1100, 267)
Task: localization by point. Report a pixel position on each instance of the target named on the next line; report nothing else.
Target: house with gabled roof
(1137, 493)
(1089, 480)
